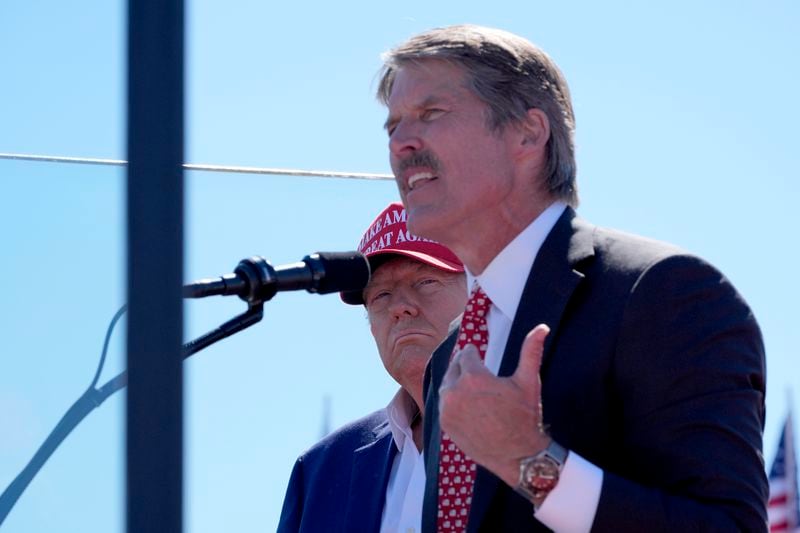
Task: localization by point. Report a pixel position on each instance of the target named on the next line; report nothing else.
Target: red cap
(388, 235)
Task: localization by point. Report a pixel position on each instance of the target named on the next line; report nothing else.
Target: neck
(416, 430)
(416, 420)
(487, 238)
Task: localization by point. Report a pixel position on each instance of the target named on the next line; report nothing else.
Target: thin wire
(204, 168)
(86, 403)
(110, 329)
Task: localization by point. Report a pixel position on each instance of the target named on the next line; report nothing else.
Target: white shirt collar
(501, 279)
(401, 411)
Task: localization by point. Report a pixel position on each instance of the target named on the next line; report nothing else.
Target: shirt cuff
(571, 505)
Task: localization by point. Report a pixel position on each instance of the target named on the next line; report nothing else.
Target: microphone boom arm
(94, 397)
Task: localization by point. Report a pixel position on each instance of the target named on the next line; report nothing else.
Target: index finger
(469, 359)
(452, 374)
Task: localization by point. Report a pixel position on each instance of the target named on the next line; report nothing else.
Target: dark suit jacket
(653, 371)
(340, 483)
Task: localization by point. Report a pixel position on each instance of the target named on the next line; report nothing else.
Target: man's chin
(413, 354)
(424, 220)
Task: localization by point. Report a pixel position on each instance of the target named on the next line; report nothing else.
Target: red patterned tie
(456, 470)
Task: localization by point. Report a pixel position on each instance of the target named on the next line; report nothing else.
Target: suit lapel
(432, 431)
(370, 474)
(550, 284)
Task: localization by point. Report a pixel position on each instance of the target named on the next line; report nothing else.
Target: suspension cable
(204, 168)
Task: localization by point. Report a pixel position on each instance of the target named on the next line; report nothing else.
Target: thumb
(530, 357)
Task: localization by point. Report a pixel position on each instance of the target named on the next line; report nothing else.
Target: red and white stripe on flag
(783, 510)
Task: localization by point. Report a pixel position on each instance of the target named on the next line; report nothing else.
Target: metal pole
(155, 265)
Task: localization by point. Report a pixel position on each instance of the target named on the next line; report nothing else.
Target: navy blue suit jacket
(340, 483)
(653, 370)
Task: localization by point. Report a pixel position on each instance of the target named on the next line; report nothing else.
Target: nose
(404, 139)
(403, 305)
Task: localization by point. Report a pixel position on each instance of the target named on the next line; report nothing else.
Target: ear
(535, 129)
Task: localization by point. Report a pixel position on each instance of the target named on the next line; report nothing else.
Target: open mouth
(419, 179)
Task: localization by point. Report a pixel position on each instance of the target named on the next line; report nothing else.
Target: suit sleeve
(292, 511)
(689, 376)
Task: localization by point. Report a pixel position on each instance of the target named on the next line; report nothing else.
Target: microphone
(256, 280)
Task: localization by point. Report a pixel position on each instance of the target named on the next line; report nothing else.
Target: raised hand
(496, 421)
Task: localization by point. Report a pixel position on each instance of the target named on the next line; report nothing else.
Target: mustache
(422, 158)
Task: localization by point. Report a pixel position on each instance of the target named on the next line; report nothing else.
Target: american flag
(783, 510)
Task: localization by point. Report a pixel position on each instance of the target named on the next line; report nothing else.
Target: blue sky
(686, 132)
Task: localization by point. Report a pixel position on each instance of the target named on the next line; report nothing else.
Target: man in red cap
(369, 475)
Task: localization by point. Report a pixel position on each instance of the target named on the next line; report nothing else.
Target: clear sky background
(687, 117)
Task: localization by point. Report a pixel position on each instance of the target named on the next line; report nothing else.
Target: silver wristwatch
(538, 474)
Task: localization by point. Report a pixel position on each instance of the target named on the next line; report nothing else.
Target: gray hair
(511, 75)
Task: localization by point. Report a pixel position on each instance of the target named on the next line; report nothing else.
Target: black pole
(155, 264)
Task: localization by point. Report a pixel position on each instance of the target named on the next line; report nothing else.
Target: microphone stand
(93, 397)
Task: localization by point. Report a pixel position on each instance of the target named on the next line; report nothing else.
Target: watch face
(542, 474)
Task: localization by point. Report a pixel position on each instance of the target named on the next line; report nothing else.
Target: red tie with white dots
(456, 470)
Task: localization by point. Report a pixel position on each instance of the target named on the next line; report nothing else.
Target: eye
(428, 284)
(432, 114)
(377, 296)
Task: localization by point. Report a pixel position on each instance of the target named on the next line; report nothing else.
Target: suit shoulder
(352, 435)
(628, 259)
(631, 252)
(636, 251)
(657, 271)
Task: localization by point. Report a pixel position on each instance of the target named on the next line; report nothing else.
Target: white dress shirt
(402, 511)
(571, 505)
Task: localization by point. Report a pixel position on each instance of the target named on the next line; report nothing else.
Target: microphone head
(338, 271)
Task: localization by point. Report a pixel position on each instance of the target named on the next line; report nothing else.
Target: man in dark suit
(369, 475)
(619, 382)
